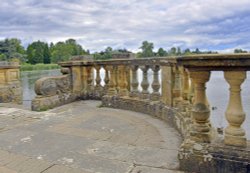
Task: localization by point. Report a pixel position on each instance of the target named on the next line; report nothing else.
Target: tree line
(147, 50)
(39, 52)
(42, 52)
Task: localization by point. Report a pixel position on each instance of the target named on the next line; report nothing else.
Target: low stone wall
(211, 157)
(154, 108)
(11, 93)
(10, 86)
(41, 103)
(52, 92)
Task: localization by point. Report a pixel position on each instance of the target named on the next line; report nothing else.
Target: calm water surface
(28, 80)
(217, 92)
(218, 96)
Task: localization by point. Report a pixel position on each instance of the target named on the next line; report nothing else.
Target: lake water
(28, 79)
(218, 96)
(217, 92)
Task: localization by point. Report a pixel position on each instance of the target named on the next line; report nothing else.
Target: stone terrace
(84, 137)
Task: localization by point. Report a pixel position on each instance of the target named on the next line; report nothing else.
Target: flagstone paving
(83, 137)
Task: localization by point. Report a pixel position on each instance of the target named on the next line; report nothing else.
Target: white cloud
(209, 24)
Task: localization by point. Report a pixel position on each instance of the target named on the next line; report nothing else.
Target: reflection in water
(28, 81)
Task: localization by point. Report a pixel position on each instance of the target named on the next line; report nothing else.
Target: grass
(30, 67)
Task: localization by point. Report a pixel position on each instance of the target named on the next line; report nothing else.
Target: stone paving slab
(15, 163)
(81, 137)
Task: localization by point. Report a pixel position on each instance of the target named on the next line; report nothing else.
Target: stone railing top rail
(6, 64)
(197, 62)
(214, 62)
(135, 61)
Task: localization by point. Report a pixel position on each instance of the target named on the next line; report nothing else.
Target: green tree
(35, 52)
(62, 51)
(147, 49)
(239, 51)
(103, 55)
(3, 57)
(197, 51)
(172, 51)
(187, 52)
(12, 48)
(178, 51)
(161, 52)
(46, 54)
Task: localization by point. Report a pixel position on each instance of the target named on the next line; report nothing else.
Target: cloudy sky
(207, 24)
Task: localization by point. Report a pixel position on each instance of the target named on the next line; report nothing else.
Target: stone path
(84, 137)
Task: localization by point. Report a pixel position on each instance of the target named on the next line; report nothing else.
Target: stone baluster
(134, 83)
(106, 78)
(234, 134)
(144, 84)
(155, 96)
(185, 84)
(200, 131)
(122, 80)
(128, 76)
(191, 91)
(98, 77)
(89, 80)
(177, 88)
(112, 80)
(177, 84)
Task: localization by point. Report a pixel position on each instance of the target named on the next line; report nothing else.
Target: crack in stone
(157, 167)
(48, 168)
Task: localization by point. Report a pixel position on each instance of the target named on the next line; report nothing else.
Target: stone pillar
(84, 79)
(134, 92)
(200, 131)
(77, 79)
(167, 85)
(144, 84)
(122, 80)
(185, 84)
(234, 134)
(90, 80)
(112, 81)
(177, 83)
(106, 79)
(155, 96)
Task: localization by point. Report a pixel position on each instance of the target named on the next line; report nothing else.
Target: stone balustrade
(175, 93)
(10, 86)
(53, 91)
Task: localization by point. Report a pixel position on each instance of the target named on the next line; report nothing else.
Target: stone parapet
(53, 91)
(10, 86)
(179, 97)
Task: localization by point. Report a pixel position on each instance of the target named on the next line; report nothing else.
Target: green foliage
(172, 51)
(62, 51)
(147, 49)
(161, 52)
(46, 54)
(239, 51)
(187, 52)
(30, 67)
(3, 57)
(36, 52)
(11, 48)
(40, 52)
(107, 53)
